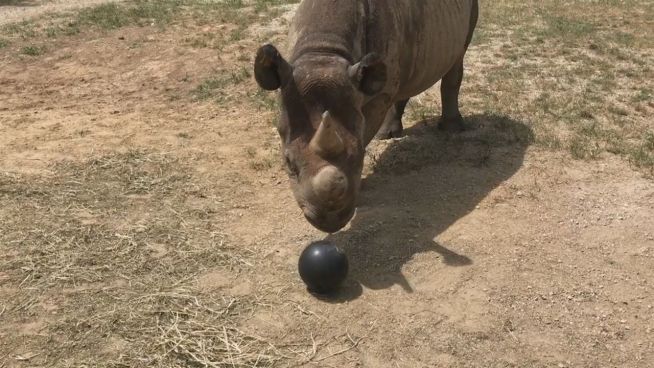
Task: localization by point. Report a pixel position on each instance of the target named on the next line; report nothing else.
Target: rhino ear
(270, 68)
(369, 75)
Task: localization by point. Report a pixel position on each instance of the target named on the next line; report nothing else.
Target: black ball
(323, 267)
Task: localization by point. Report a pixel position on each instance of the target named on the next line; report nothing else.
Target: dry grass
(578, 73)
(115, 241)
(237, 14)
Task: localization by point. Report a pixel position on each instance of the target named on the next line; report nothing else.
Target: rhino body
(352, 67)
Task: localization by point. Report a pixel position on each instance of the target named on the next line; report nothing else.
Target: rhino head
(322, 127)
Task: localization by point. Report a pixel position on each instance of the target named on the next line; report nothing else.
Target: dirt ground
(20, 10)
(146, 225)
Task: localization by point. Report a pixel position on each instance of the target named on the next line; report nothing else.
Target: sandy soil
(18, 10)
(476, 250)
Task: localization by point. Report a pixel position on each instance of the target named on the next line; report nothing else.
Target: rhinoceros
(351, 68)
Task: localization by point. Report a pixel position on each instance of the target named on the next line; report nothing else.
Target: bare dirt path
(19, 10)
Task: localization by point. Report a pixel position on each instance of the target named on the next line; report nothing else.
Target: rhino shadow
(420, 185)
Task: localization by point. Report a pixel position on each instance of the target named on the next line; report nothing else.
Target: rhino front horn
(327, 142)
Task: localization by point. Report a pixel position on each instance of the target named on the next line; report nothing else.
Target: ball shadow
(420, 185)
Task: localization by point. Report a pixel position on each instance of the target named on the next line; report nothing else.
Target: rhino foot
(393, 129)
(452, 124)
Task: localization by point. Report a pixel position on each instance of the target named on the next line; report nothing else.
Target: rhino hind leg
(392, 127)
(452, 120)
(451, 84)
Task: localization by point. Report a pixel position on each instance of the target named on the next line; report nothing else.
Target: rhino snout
(329, 222)
(331, 203)
(330, 186)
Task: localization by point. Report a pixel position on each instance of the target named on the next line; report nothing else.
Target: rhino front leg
(450, 85)
(392, 127)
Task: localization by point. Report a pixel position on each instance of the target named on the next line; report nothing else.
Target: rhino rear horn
(369, 75)
(327, 142)
(270, 68)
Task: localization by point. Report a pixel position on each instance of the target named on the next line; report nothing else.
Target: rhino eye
(290, 165)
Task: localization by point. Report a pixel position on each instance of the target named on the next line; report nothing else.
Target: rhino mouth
(328, 221)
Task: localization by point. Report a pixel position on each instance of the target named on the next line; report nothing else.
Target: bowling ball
(323, 267)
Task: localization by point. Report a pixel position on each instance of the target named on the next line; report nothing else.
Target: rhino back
(428, 38)
(420, 40)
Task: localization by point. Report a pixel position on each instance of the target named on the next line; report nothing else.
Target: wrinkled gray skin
(351, 69)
